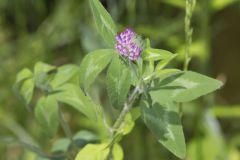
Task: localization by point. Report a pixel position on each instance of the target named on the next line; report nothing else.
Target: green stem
(190, 4)
(127, 107)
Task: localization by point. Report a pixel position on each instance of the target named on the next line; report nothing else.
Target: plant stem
(190, 4)
(127, 107)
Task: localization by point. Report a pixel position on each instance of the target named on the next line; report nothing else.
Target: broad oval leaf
(117, 152)
(41, 67)
(99, 152)
(93, 64)
(26, 90)
(152, 54)
(64, 74)
(185, 86)
(118, 82)
(125, 128)
(164, 122)
(93, 152)
(105, 25)
(73, 96)
(23, 75)
(196, 85)
(24, 85)
(46, 112)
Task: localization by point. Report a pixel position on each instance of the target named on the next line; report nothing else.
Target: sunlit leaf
(26, 90)
(99, 152)
(24, 85)
(104, 22)
(73, 96)
(41, 67)
(152, 54)
(118, 82)
(93, 64)
(127, 125)
(185, 86)
(117, 152)
(93, 152)
(166, 73)
(23, 75)
(64, 74)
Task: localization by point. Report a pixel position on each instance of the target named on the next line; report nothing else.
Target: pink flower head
(129, 44)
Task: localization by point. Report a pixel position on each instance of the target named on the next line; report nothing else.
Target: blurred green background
(62, 31)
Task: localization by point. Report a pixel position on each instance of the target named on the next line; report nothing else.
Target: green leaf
(118, 82)
(43, 74)
(23, 75)
(73, 96)
(152, 54)
(99, 152)
(185, 86)
(164, 122)
(46, 112)
(125, 128)
(117, 152)
(61, 145)
(26, 90)
(105, 25)
(196, 85)
(165, 62)
(93, 152)
(24, 85)
(167, 72)
(93, 64)
(127, 125)
(41, 67)
(85, 135)
(135, 113)
(64, 74)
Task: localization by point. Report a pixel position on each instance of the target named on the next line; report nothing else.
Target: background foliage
(60, 32)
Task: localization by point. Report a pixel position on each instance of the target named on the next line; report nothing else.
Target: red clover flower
(129, 44)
